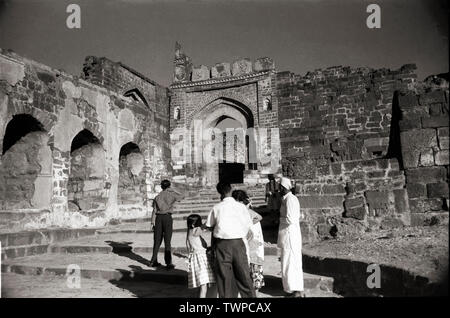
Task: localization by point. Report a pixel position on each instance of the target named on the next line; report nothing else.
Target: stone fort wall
(363, 147)
(366, 148)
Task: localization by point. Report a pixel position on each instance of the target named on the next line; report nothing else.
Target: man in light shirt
(290, 241)
(231, 224)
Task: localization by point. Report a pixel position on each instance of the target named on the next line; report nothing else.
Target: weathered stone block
(241, 67)
(323, 229)
(401, 201)
(414, 142)
(441, 158)
(416, 190)
(391, 222)
(443, 138)
(351, 203)
(336, 168)
(436, 109)
(425, 205)
(333, 189)
(410, 123)
(435, 121)
(200, 73)
(320, 202)
(437, 190)
(432, 97)
(407, 100)
(263, 64)
(358, 213)
(220, 70)
(181, 73)
(379, 202)
(429, 219)
(426, 175)
(426, 158)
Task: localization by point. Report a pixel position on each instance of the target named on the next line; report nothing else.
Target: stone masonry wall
(336, 138)
(424, 136)
(65, 105)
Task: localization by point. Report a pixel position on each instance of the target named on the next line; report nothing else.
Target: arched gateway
(223, 141)
(221, 127)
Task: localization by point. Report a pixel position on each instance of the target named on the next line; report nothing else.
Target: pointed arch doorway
(228, 142)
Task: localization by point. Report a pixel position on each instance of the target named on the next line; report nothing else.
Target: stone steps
(121, 253)
(125, 266)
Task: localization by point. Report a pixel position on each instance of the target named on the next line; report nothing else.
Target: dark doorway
(231, 172)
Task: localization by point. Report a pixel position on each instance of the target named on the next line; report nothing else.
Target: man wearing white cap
(290, 241)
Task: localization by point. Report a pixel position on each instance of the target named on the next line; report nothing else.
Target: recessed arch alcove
(86, 174)
(25, 165)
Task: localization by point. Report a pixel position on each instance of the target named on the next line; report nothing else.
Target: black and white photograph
(253, 150)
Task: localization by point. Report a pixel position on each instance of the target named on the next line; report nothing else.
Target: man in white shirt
(231, 224)
(290, 241)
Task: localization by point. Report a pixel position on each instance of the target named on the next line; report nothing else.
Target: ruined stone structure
(79, 151)
(366, 148)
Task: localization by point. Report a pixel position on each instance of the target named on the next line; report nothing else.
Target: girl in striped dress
(200, 271)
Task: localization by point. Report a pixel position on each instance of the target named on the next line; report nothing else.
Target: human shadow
(273, 286)
(125, 249)
(180, 255)
(157, 283)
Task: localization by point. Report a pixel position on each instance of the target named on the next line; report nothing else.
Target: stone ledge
(350, 278)
(219, 80)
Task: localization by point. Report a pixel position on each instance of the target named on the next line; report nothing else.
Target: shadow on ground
(273, 286)
(134, 280)
(144, 283)
(126, 250)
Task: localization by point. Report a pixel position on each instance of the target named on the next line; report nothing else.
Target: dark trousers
(232, 269)
(163, 229)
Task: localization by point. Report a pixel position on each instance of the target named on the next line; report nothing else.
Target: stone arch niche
(86, 183)
(228, 141)
(132, 186)
(25, 165)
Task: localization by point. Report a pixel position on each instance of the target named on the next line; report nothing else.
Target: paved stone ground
(108, 268)
(52, 286)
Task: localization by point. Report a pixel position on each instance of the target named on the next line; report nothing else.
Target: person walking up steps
(200, 272)
(231, 224)
(273, 196)
(162, 223)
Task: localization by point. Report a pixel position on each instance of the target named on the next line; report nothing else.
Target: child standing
(255, 244)
(200, 272)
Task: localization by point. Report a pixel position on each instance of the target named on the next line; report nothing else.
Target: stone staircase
(202, 201)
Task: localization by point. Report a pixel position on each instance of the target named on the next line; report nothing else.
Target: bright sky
(300, 35)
